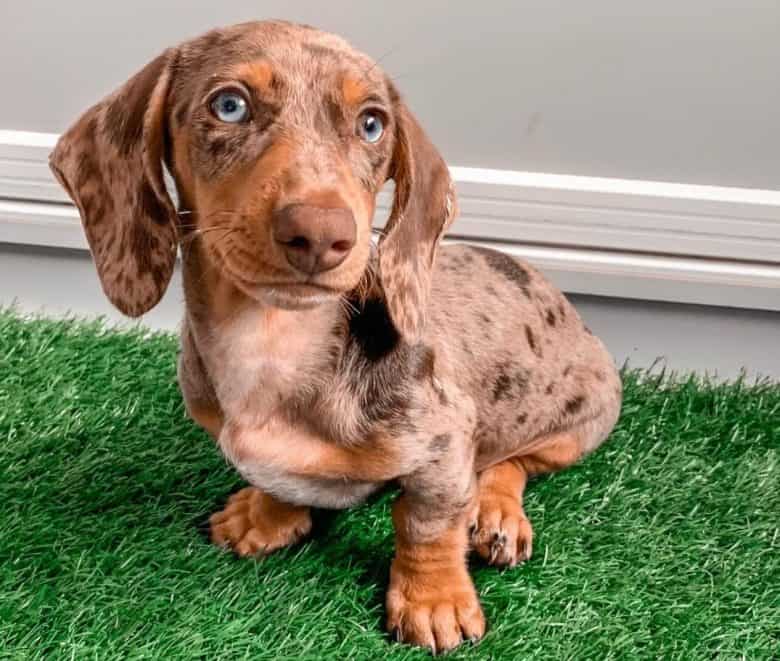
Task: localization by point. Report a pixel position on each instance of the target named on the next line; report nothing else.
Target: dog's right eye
(230, 107)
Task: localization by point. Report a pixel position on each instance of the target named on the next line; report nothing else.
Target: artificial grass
(663, 544)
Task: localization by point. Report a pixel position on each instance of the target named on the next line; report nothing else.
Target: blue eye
(370, 127)
(230, 107)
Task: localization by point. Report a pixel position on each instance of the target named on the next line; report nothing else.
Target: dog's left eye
(230, 107)
(370, 126)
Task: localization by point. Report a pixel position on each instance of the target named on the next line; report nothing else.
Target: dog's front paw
(502, 533)
(256, 524)
(437, 610)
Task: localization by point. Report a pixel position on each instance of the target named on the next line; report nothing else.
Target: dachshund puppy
(325, 367)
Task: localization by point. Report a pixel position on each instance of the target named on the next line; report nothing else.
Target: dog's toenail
(523, 551)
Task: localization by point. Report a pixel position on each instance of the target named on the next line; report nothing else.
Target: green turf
(664, 544)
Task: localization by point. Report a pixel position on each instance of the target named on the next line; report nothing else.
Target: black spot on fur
(529, 336)
(575, 404)
(501, 387)
(550, 318)
(508, 384)
(532, 342)
(549, 389)
(440, 443)
(457, 262)
(373, 330)
(161, 275)
(276, 83)
(443, 400)
(152, 207)
(506, 266)
(382, 368)
(88, 168)
(335, 112)
(424, 371)
(521, 418)
(485, 319)
(140, 247)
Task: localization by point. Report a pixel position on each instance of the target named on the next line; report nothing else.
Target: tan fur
(431, 600)
(353, 90)
(456, 373)
(260, 75)
(253, 523)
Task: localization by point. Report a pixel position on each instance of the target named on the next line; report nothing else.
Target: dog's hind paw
(502, 533)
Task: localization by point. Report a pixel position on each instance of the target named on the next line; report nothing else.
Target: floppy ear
(110, 164)
(423, 208)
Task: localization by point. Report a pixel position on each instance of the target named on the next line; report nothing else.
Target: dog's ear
(110, 163)
(424, 206)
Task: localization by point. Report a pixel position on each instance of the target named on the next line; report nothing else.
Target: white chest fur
(263, 355)
(257, 360)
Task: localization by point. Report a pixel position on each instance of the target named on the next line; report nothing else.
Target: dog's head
(279, 138)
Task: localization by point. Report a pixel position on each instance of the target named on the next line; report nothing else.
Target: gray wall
(674, 90)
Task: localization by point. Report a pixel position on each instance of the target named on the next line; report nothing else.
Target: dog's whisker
(200, 231)
(188, 241)
(381, 58)
(348, 306)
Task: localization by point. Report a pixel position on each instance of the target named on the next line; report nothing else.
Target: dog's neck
(258, 355)
(329, 365)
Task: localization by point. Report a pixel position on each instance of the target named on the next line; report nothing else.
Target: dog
(324, 363)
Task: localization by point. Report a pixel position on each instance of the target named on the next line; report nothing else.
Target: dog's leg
(255, 524)
(431, 599)
(501, 532)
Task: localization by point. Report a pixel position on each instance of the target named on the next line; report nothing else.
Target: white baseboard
(633, 239)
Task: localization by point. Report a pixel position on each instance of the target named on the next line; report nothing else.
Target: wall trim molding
(647, 240)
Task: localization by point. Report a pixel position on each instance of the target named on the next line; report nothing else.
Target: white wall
(673, 90)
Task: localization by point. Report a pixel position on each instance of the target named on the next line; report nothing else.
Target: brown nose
(314, 239)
